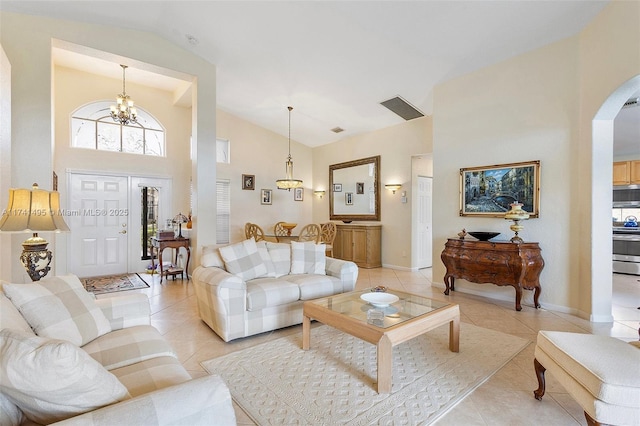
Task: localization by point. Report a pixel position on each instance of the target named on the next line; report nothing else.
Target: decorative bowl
(289, 226)
(484, 236)
(380, 300)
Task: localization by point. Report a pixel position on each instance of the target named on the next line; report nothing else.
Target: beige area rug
(334, 382)
(113, 283)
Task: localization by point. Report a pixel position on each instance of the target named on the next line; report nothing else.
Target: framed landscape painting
(489, 190)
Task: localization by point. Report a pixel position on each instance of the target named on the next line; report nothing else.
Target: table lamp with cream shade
(34, 210)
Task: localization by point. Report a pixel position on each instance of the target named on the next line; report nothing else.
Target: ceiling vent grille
(633, 102)
(337, 130)
(401, 107)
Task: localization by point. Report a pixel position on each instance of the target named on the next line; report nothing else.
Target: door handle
(124, 231)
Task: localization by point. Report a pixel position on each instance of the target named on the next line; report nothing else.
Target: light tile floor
(505, 399)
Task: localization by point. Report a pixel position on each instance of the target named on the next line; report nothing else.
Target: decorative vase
(516, 214)
(189, 222)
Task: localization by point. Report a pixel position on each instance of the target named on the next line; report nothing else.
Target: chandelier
(123, 112)
(289, 182)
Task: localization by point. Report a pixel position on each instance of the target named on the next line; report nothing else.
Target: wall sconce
(319, 194)
(393, 187)
(34, 210)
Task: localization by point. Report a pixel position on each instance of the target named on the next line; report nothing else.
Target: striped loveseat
(249, 288)
(68, 358)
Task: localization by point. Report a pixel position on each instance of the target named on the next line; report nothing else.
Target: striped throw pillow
(308, 258)
(243, 260)
(59, 308)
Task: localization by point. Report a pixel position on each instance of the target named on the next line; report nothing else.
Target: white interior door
(424, 219)
(99, 232)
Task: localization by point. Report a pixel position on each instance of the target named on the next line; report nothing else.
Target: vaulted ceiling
(334, 61)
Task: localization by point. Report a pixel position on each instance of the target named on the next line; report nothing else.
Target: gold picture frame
(488, 190)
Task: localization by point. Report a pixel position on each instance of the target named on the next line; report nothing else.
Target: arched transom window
(92, 127)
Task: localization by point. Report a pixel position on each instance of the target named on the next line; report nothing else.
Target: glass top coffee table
(408, 317)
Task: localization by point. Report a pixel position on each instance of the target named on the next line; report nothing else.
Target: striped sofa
(249, 288)
(68, 358)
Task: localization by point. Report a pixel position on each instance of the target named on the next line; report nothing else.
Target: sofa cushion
(10, 317)
(266, 258)
(280, 254)
(10, 414)
(51, 380)
(594, 362)
(128, 346)
(152, 374)
(307, 258)
(315, 286)
(211, 257)
(59, 308)
(265, 292)
(243, 260)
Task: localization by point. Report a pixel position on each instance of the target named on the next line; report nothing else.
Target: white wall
(28, 41)
(76, 88)
(260, 152)
(539, 106)
(610, 74)
(5, 158)
(395, 145)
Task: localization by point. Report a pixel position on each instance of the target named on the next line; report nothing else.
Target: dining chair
(328, 232)
(279, 231)
(310, 232)
(251, 230)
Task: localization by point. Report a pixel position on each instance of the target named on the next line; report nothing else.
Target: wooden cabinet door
(347, 244)
(359, 238)
(621, 172)
(634, 172)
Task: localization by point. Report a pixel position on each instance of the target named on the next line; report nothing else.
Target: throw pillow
(52, 380)
(266, 258)
(211, 257)
(308, 258)
(59, 308)
(10, 317)
(243, 260)
(280, 254)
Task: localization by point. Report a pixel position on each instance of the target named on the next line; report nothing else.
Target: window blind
(223, 211)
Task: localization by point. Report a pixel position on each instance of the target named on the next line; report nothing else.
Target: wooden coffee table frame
(384, 338)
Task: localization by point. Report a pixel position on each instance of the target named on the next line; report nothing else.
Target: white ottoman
(601, 373)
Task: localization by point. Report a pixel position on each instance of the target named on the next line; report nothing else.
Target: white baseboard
(400, 268)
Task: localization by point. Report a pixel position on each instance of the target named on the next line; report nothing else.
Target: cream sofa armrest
(202, 401)
(126, 310)
(345, 270)
(222, 301)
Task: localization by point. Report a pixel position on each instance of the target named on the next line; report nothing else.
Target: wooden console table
(174, 243)
(500, 263)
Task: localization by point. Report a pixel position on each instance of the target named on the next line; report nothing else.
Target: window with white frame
(93, 128)
(223, 211)
(222, 151)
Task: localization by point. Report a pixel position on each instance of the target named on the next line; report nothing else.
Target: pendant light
(289, 182)
(123, 112)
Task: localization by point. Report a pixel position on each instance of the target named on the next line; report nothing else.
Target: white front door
(99, 224)
(424, 231)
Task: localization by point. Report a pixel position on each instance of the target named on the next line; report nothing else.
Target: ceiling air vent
(631, 103)
(401, 107)
(337, 130)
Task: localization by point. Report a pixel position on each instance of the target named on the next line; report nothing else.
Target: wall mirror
(354, 190)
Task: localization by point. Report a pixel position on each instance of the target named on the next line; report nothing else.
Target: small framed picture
(249, 182)
(337, 187)
(348, 198)
(359, 187)
(298, 194)
(265, 196)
